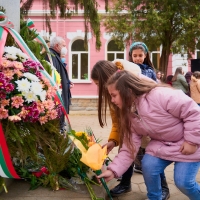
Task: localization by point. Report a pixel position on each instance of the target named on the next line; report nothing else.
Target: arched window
(197, 56)
(155, 57)
(80, 68)
(113, 51)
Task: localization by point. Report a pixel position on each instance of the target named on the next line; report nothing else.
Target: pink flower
(3, 113)
(43, 119)
(18, 65)
(40, 107)
(4, 102)
(23, 113)
(17, 101)
(18, 73)
(46, 81)
(5, 63)
(52, 114)
(51, 92)
(8, 73)
(49, 104)
(14, 118)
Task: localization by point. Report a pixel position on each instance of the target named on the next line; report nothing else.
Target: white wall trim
(78, 34)
(79, 13)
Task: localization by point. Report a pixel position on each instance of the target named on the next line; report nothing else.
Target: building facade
(80, 61)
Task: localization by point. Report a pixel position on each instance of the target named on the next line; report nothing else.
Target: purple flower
(2, 95)
(9, 87)
(2, 75)
(40, 67)
(38, 74)
(3, 83)
(59, 110)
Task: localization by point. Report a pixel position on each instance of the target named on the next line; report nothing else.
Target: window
(80, 68)
(113, 51)
(198, 50)
(155, 57)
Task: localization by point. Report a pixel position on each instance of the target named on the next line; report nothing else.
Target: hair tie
(119, 65)
(138, 43)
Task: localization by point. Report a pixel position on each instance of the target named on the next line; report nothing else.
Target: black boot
(165, 189)
(124, 185)
(120, 189)
(138, 159)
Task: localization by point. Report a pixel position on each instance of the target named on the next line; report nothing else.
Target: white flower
(30, 96)
(23, 56)
(31, 77)
(43, 95)
(36, 88)
(11, 56)
(15, 52)
(23, 85)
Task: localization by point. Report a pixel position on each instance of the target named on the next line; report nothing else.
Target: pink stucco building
(80, 61)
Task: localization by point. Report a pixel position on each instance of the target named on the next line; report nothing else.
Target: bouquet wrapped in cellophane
(93, 155)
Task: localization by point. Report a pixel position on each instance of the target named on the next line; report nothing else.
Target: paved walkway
(18, 190)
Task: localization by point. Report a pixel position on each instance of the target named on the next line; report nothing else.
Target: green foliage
(25, 142)
(90, 14)
(74, 165)
(170, 23)
(29, 37)
(2, 9)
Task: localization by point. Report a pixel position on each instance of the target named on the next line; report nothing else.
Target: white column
(12, 8)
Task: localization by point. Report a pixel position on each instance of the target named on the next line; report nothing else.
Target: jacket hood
(194, 79)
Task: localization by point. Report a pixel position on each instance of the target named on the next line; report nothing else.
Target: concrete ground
(18, 189)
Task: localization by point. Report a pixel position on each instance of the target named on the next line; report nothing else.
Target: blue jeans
(184, 177)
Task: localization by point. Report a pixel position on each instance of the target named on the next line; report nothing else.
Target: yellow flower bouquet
(93, 155)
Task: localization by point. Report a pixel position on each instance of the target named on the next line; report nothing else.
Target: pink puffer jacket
(168, 117)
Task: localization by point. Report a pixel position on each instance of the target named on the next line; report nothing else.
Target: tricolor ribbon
(30, 24)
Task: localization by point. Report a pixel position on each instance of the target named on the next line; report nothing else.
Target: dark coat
(65, 82)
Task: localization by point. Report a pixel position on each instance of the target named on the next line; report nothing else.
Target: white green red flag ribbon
(30, 24)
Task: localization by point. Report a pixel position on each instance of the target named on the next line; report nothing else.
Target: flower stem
(98, 172)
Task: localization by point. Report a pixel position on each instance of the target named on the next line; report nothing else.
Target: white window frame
(79, 80)
(73, 36)
(155, 52)
(114, 52)
(197, 50)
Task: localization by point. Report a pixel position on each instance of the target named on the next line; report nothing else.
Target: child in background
(170, 118)
(158, 77)
(139, 54)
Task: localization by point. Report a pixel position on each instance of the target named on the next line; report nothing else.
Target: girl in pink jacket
(170, 118)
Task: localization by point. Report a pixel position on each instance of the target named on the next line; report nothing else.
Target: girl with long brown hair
(170, 118)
